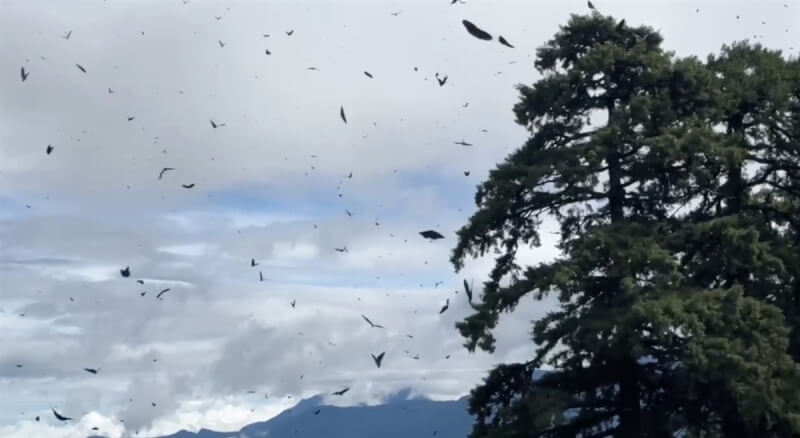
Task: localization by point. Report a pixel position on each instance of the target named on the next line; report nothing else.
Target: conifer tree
(640, 345)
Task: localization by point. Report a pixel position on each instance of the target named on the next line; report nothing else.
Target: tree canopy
(675, 183)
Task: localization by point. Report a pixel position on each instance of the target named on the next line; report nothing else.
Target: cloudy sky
(272, 184)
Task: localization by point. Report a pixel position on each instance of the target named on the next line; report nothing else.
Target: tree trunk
(629, 408)
(630, 415)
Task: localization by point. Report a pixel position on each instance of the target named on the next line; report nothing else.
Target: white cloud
(90, 273)
(97, 205)
(108, 426)
(228, 414)
(188, 250)
(292, 253)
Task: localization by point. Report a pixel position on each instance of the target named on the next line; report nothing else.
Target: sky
(274, 184)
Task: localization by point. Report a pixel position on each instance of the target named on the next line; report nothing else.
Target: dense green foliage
(676, 185)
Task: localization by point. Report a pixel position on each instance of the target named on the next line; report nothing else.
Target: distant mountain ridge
(399, 417)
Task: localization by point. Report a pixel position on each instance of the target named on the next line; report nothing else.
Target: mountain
(399, 417)
(203, 433)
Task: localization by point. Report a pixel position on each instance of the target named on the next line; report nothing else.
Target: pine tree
(786, 136)
(775, 201)
(736, 235)
(638, 346)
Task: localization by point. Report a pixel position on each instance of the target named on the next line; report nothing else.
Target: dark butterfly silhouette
(371, 323)
(504, 42)
(431, 234)
(60, 417)
(476, 31)
(377, 359)
(164, 170)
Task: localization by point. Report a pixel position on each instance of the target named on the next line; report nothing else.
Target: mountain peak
(307, 403)
(403, 414)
